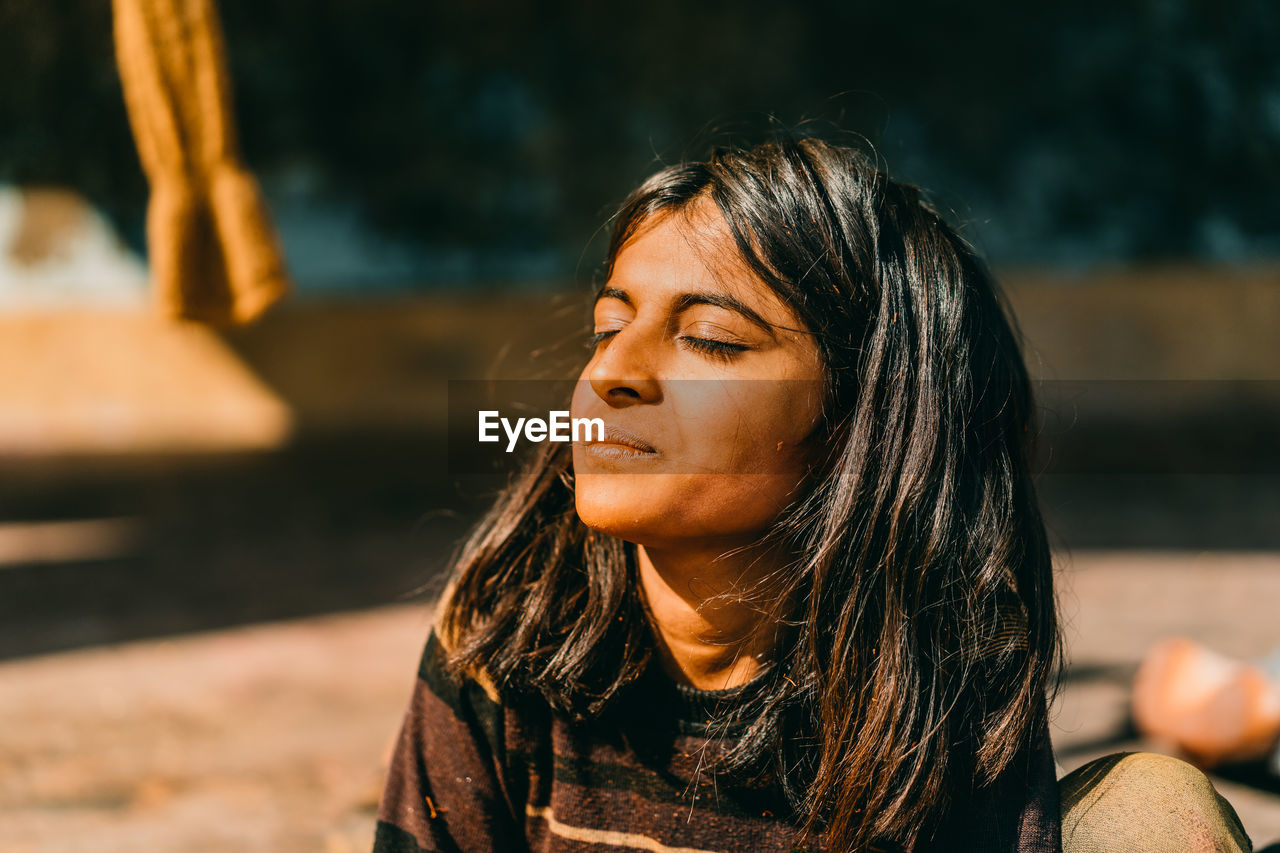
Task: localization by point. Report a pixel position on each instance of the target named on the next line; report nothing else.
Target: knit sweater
(473, 773)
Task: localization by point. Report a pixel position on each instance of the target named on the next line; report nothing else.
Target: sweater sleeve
(444, 790)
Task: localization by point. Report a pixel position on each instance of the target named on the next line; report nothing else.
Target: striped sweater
(473, 774)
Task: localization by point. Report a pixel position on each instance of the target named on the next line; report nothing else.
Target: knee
(1143, 801)
(1141, 776)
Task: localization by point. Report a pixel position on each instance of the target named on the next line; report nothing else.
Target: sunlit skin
(712, 371)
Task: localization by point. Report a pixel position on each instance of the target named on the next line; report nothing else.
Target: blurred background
(218, 545)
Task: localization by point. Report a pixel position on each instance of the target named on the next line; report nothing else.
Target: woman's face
(711, 382)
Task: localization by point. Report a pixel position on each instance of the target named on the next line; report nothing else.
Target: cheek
(749, 427)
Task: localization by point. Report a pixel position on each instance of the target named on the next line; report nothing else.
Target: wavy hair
(922, 632)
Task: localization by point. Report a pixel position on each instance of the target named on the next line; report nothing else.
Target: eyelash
(600, 337)
(716, 349)
(722, 350)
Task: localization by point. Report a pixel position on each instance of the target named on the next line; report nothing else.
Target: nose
(623, 373)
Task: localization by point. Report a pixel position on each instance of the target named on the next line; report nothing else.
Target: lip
(616, 437)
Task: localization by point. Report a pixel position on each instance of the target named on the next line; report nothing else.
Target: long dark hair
(923, 635)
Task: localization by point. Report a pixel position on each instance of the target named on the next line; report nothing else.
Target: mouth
(618, 441)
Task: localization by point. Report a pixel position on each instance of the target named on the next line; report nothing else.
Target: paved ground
(271, 737)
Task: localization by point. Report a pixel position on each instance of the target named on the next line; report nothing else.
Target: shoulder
(469, 696)
(435, 672)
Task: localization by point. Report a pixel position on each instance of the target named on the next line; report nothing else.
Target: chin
(618, 506)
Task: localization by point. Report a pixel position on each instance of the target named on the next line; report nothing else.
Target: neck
(706, 637)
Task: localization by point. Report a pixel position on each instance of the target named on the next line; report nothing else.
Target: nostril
(624, 391)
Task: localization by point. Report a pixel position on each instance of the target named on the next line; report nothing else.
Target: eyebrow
(685, 301)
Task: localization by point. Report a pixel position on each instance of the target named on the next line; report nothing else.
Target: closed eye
(723, 350)
(718, 349)
(600, 337)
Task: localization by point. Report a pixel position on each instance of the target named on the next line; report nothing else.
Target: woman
(799, 597)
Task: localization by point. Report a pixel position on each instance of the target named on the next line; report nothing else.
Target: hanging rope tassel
(214, 254)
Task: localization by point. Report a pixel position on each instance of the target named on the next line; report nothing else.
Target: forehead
(691, 250)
